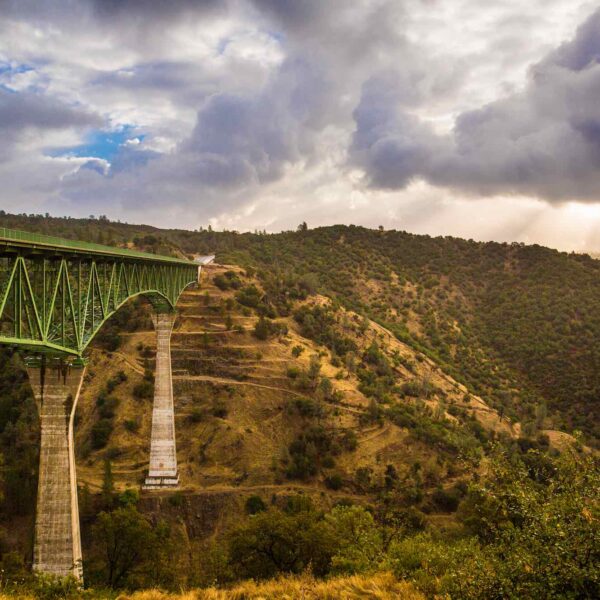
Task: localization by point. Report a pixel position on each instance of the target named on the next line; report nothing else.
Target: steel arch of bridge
(56, 294)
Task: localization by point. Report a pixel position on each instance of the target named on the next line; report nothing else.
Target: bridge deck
(12, 238)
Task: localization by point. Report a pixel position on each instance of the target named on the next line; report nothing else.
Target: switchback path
(226, 381)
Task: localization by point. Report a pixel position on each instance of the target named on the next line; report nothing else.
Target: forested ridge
(520, 325)
(367, 413)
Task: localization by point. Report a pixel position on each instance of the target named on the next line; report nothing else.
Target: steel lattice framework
(55, 294)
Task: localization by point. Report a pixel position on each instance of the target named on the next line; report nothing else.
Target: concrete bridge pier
(163, 454)
(57, 546)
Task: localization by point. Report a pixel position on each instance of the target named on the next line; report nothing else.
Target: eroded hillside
(516, 324)
(270, 406)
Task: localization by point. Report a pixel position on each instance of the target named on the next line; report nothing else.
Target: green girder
(56, 294)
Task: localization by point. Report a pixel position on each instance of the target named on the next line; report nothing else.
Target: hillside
(347, 401)
(518, 325)
(261, 415)
(248, 408)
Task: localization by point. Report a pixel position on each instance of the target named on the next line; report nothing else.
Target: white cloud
(244, 110)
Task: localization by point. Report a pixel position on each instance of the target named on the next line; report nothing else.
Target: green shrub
(197, 415)
(101, 433)
(446, 500)
(263, 329)
(349, 440)
(177, 499)
(131, 425)
(249, 296)
(306, 407)
(129, 497)
(255, 505)
(319, 324)
(107, 406)
(418, 388)
(334, 482)
(219, 409)
(328, 462)
(227, 280)
(293, 372)
(143, 390)
(306, 452)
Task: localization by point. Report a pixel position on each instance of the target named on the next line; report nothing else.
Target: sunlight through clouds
(435, 117)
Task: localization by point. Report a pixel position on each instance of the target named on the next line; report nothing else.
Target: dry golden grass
(257, 431)
(382, 586)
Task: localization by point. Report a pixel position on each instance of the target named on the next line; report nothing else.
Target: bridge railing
(26, 237)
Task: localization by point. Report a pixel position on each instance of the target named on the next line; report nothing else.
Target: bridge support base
(57, 546)
(163, 455)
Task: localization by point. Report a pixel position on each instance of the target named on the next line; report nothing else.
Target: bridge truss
(56, 294)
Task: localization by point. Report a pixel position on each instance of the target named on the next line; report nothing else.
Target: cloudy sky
(452, 117)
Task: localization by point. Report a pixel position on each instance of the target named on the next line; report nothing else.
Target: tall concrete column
(163, 453)
(57, 546)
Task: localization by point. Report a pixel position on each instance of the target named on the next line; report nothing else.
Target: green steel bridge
(55, 294)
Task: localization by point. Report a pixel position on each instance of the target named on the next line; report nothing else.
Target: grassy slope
(518, 324)
(225, 459)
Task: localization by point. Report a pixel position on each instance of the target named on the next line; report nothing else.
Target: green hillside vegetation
(354, 408)
(519, 325)
(528, 533)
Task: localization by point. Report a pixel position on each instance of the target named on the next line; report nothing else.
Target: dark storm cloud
(544, 141)
(583, 51)
(251, 138)
(20, 112)
(240, 138)
(392, 146)
(137, 10)
(147, 9)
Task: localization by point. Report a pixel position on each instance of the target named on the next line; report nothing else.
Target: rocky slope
(241, 403)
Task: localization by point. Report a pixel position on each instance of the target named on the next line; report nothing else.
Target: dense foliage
(525, 533)
(19, 441)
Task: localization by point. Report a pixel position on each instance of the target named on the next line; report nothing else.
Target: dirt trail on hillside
(379, 432)
(136, 367)
(227, 381)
